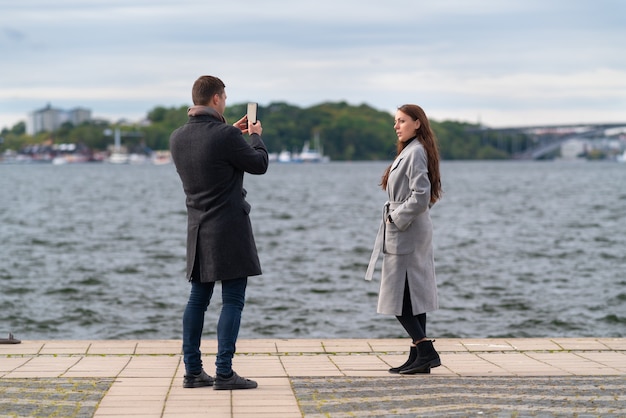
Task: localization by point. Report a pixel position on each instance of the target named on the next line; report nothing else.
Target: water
(96, 251)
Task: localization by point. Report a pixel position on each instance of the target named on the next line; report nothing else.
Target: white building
(50, 119)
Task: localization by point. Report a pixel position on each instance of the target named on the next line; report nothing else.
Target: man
(211, 158)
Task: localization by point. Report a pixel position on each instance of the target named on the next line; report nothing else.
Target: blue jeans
(233, 299)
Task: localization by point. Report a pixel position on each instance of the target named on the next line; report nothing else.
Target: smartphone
(252, 108)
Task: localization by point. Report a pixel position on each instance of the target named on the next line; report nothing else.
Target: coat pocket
(398, 242)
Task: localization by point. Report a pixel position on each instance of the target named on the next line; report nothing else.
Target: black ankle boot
(427, 357)
(412, 357)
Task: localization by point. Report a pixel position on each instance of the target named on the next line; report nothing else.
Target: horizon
(139, 120)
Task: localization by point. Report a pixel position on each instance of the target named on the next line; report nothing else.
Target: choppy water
(522, 250)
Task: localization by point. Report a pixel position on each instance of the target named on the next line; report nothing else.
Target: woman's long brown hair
(427, 138)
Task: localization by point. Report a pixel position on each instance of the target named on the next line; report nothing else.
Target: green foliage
(19, 128)
(346, 132)
(16, 138)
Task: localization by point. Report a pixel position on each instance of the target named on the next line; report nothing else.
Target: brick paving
(438, 396)
(318, 378)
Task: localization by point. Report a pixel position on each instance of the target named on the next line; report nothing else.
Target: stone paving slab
(317, 377)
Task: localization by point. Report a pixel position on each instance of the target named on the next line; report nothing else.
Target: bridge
(537, 142)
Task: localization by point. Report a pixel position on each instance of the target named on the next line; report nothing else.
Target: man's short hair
(205, 88)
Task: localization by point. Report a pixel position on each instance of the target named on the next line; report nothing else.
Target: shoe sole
(235, 387)
(188, 384)
(430, 365)
(196, 385)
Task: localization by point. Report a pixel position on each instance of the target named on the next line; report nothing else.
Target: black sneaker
(233, 382)
(197, 380)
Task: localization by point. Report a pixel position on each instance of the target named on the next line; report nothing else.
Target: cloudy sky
(498, 62)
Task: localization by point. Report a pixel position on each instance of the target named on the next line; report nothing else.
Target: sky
(501, 63)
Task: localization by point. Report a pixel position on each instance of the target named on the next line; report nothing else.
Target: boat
(69, 159)
(313, 155)
(119, 154)
(118, 157)
(306, 155)
(284, 157)
(161, 157)
(309, 155)
(136, 158)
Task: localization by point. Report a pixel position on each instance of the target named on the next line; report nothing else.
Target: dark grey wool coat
(211, 158)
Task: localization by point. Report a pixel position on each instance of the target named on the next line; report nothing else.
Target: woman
(408, 288)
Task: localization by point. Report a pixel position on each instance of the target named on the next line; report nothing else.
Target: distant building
(50, 119)
(79, 115)
(573, 149)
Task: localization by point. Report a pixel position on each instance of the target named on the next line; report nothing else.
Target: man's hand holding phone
(247, 127)
(254, 125)
(249, 124)
(255, 128)
(242, 124)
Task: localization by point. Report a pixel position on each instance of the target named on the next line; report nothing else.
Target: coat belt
(380, 240)
(378, 247)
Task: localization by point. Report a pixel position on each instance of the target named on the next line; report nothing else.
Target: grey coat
(406, 243)
(211, 158)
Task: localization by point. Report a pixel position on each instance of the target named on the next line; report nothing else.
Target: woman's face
(405, 127)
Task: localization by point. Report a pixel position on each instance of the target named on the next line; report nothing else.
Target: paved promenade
(318, 378)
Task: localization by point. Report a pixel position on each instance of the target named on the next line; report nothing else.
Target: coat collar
(404, 152)
(409, 147)
(198, 110)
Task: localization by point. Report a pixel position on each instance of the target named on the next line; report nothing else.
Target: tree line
(346, 132)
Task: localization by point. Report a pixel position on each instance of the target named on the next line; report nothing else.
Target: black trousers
(415, 325)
